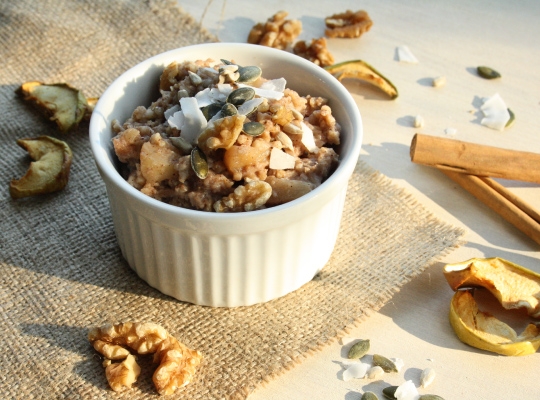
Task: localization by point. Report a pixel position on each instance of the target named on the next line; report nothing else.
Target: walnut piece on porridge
(317, 52)
(348, 24)
(177, 363)
(248, 197)
(276, 32)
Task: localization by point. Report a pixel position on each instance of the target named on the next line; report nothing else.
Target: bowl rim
(109, 172)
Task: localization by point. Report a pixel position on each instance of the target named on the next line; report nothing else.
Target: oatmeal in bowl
(223, 138)
(226, 190)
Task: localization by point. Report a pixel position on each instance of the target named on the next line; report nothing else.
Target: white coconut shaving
(269, 91)
(496, 114)
(407, 391)
(194, 120)
(307, 138)
(355, 371)
(405, 55)
(248, 106)
(277, 85)
(281, 160)
(170, 112)
(177, 119)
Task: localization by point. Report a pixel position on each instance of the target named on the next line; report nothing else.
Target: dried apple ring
(49, 172)
(514, 287)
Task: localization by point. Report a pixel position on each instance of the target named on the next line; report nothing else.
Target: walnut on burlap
(61, 271)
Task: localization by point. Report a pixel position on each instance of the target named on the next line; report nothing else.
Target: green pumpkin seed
(240, 95)
(430, 397)
(226, 62)
(359, 350)
(253, 128)
(249, 74)
(390, 392)
(511, 120)
(228, 110)
(383, 362)
(181, 144)
(369, 396)
(210, 110)
(199, 163)
(487, 73)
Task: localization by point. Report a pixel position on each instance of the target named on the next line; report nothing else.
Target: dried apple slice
(484, 331)
(60, 102)
(49, 172)
(513, 285)
(359, 69)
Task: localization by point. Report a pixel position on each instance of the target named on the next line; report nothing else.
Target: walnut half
(177, 363)
(276, 32)
(316, 52)
(348, 24)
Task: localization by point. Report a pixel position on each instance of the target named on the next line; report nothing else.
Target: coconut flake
(426, 377)
(307, 138)
(203, 98)
(194, 120)
(248, 106)
(281, 160)
(496, 113)
(176, 120)
(407, 391)
(277, 85)
(375, 372)
(168, 113)
(267, 93)
(355, 371)
(405, 55)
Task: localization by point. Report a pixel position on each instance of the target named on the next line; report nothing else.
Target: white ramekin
(236, 259)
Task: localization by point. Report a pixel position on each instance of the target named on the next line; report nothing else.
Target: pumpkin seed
(226, 62)
(430, 397)
(210, 110)
(511, 120)
(359, 350)
(383, 362)
(199, 163)
(389, 392)
(369, 396)
(181, 144)
(228, 110)
(487, 73)
(240, 95)
(249, 74)
(253, 128)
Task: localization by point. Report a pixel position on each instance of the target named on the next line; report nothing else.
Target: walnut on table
(177, 363)
(316, 52)
(348, 24)
(276, 32)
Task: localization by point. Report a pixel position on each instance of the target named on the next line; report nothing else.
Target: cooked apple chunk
(49, 172)
(60, 102)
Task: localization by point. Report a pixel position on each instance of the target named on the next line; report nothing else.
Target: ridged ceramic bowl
(235, 259)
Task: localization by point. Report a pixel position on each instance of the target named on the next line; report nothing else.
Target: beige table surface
(449, 38)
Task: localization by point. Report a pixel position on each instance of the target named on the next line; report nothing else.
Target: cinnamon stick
(499, 199)
(475, 159)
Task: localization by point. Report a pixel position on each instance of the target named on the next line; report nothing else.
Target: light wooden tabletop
(449, 39)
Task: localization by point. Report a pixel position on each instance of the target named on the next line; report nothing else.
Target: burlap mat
(61, 270)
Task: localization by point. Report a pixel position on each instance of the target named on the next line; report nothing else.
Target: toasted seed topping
(430, 397)
(240, 95)
(359, 350)
(249, 74)
(228, 110)
(389, 392)
(210, 110)
(369, 396)
(386, 364)
(511, 120)
(253, 128)
(181, 144)
(487, 73)
(199, 163)
(194, 78)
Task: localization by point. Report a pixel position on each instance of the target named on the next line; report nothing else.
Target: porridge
(223, 138)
